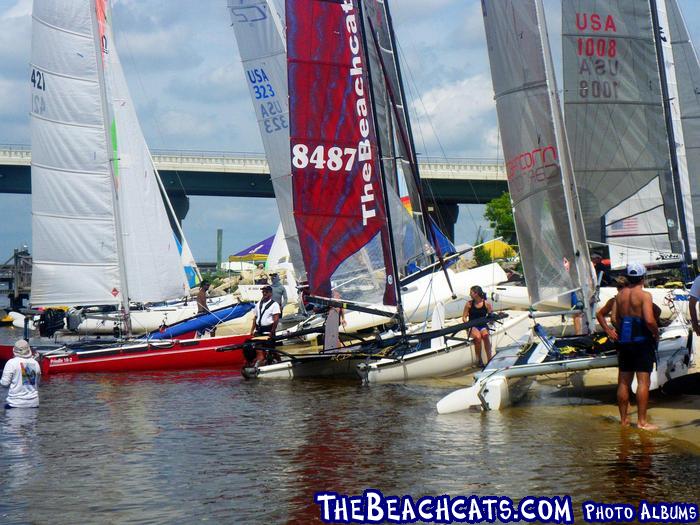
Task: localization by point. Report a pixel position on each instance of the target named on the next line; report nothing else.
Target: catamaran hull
(420, 298)
(507, 385)
(516, 297)
(143, 321)
(153, 356)
(309, 367)
(444, 361)
(6, 354)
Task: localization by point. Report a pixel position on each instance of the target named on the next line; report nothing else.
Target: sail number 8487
(334, 158)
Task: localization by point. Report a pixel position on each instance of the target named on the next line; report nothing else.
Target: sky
(182, 67)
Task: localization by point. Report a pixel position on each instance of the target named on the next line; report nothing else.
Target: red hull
(5, 353)
(185, 354)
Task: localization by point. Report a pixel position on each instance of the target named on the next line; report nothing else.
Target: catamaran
(333, 161)
(101, 229)
(259, 27)
(548, 216)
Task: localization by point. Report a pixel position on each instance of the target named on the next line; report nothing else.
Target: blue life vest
(633, 330)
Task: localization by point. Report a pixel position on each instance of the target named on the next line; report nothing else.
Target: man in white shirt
(21, 374)
(266, 316)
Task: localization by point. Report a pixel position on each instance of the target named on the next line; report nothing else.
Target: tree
(499, 213)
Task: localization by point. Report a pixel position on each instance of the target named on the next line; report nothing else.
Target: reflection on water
(186, 446)
(173, 447)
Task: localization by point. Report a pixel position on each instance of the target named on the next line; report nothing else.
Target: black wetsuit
(636, 347)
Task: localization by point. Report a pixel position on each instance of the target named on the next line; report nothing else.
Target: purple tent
(258, 252)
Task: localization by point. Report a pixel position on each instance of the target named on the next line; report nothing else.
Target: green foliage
(481, 254)
(499, 213)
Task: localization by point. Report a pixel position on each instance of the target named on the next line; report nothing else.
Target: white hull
(505, 386)
(447, 360)
(150, 319)
(507, 297)
(438, 361)
(420, 298)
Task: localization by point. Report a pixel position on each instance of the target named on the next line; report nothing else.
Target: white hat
(636, 269)
(22, 349)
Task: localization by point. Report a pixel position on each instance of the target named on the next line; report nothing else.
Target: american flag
(628, 226)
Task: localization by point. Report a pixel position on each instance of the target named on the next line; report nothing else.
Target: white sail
(683, 198)
(259, 29)
(93, 187)
(540, 179)
(687, 71)
(616, 124)
(152, 258)
(74, 236)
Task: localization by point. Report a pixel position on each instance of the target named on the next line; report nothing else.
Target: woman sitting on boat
(478, 308)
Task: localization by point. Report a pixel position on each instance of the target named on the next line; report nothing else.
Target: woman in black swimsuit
(475, 309)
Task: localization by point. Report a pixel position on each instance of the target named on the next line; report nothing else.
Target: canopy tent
(498, 249)
(258, 252)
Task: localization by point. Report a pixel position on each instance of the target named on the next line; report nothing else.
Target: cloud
(158, 49)
(457, 116)
(22, 8)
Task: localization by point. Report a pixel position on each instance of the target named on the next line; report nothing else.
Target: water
(193, 446)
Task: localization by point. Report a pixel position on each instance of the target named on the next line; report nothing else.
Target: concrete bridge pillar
(181, 205)
(445, 214)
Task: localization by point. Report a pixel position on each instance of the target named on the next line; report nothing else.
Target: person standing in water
(21, 374)
(637, 338)
(475, 309)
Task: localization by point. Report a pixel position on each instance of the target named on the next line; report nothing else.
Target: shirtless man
(637, 336)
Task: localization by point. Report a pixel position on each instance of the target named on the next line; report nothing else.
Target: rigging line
(156, 120)
(409, 148)
(414, 86)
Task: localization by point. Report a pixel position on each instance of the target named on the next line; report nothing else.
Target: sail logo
(598, 56)
(248, 14)
(364, 148)
(532, 167)
(595, 22)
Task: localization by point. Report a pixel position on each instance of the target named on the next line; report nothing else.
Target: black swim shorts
(636, 357)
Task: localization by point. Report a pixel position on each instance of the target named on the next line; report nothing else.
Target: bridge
(16, 278)
(446, 181)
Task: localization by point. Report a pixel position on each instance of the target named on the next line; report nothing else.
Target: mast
(392, 248)
(687, 257)
(573, 211)
(101, 49)
(410, 147)
(408, 141)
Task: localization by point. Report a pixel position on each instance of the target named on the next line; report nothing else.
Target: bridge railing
(230, 161)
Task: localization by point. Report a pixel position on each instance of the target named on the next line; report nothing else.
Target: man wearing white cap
(21, 374)
(636, 345)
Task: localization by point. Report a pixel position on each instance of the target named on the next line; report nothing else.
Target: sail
(687, 71)
(337, 188)
(394, 135)
(259, 29)
(94, 196)
(617, 131)
(390, 103)
(152, 260)
(545, 206)
(74, 237)
(674, 126)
